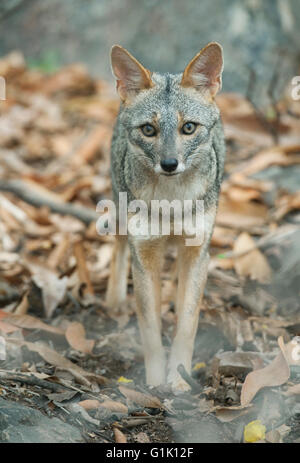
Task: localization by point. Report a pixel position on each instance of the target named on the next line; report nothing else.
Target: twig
(270, 239)
(20, 189)
(31, 380)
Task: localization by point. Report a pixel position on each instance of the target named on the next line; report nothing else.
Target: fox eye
(188, 128)
(148, 130)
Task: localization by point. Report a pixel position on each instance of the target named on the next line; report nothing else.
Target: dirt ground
(62, 354)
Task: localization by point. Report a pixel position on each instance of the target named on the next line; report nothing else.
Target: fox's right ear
(131, 76)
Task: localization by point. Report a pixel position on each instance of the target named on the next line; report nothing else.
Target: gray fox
(168, 143)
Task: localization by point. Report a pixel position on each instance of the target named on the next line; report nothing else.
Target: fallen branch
(31, 381)
(29, 195)
(265, 241)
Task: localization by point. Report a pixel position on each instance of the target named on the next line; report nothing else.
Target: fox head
(169, 118)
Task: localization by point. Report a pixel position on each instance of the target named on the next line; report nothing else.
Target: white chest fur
(180, 186)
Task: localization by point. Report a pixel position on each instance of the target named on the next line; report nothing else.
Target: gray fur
(133, 156)
(167, 102)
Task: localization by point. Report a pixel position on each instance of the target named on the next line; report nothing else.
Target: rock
(285, 178)
(20, 424)
(204, 429)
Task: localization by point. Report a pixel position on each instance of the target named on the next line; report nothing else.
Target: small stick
(32, 381)
(29, 194)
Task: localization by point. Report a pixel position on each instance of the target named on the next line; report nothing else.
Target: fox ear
(131, 76)
(204, 72)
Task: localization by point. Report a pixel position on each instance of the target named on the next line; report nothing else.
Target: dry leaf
(114, 406)
(274, 374)
(253, 264)
(23, 305)
(266, 158)
(144, 400)
(6, 328)
(29, 322)
(120, 438)
(53, 288)
(57, 360)
(89, 404)
(236, 214)
(75, 335)
(227, 414)
(286, 204)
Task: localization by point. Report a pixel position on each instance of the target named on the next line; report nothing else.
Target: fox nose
(169, 164)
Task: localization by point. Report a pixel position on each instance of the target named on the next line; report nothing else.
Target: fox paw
(179, 384)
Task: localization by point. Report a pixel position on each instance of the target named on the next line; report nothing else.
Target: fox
(167, 143)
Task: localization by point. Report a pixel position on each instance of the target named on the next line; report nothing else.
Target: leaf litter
(56, 332)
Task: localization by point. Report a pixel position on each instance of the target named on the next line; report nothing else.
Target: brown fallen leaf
(240, 215)
(75, 335)
(57, 360)
(271, 156)
(89, 404)
(59, 251)
(6, 328)
(241, 180)
(91, 145)
(287, 203)
(28, 322)
(223, 237)
(253, 264)
(120, 437)
(53, 288)
(227, 414)
(144, 400)
(23, 306)
(114, 406)
(108, 404)
(237, 193)
(274, 374)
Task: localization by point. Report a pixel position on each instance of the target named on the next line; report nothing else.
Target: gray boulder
(24, 424)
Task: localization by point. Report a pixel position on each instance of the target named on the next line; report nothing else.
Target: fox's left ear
(131, 76)
(204, 72)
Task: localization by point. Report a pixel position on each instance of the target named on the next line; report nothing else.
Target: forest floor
(69, 371)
